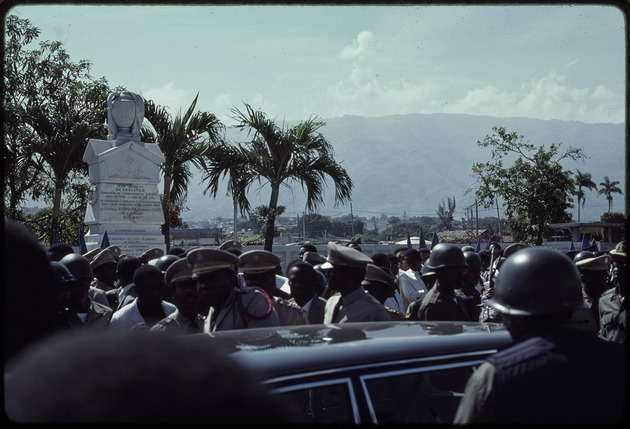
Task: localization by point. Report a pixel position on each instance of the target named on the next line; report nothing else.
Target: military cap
(178, 270)
(115, 251)
(103, 257)
(513, 248)
(204, 260)
(312, 258)
(620, 250)
(92, 253)
(599, 263)
(258, 261)
(376, 274)
(345, 256)
(153, 253)
(232, 246)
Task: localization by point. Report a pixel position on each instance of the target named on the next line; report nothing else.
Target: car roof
(282, 351)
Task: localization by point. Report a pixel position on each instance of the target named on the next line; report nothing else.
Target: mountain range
(409, 164)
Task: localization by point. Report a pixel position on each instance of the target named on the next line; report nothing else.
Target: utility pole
(351, 220)
(234, 234)
(304, 226)
(476, 218)
(498, 220)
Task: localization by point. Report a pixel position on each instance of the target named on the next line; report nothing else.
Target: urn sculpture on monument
(124, 174)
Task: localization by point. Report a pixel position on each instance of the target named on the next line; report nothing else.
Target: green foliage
(613, 217)
(535, 188)
(276, 156)
(445, 213)
(255, 240)
(607, 188)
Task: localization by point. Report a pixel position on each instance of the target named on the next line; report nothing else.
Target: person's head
(178, 278)
(414, 261)
(306, 247)
(136, 377)
(165, 261)
(151, 254)
(472, 273)
(380, 259)
(537, 288)
(447, 261)
(58, 250)
(80, 268)
(64, 281)
(485, 257)
(126, 268)
(620, 262)
(402, 260)
(347, 268)
(424, 254)
(379, 283)
(215, 272)
(259, 269)
(233, 247)
(150, 285)
(312, 258)
(104, 267)
(393, 264)
(594, 273)
(302, 281)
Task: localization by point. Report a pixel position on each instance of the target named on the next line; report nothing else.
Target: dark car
(379, 372)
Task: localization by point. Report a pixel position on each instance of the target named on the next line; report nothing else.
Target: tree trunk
(271, 217)
(166, 202)
(56, 211)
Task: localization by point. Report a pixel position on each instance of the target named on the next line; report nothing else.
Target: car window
(326, 402)
(417, 396)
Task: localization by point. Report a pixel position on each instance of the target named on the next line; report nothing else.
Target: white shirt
(128, 316)
(412, 288)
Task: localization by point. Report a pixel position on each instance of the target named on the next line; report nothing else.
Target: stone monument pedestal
(124, 199)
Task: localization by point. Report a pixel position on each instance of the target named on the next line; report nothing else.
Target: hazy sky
(545, 62)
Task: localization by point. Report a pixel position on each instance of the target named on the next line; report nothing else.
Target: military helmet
(537, 280)
(165, 261)
(446, 255)
(78, 265)
(473, 260)
(61, 274)
(584, 254)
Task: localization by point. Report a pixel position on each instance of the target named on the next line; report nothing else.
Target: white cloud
(358, 46)
(174, 98)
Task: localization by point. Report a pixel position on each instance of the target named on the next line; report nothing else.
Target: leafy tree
(183, 141)
(277, 157)
(445, 214)
(536, 189)
(613, 217)
(582, 180)
(608, 188)
(259, 216)
(54, 107)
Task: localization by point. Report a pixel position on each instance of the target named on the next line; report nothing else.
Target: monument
(124, 173)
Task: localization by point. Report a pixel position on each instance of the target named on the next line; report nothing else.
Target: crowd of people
(532, 290)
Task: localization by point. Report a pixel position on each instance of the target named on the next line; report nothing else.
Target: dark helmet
(473, 260)
(165, 261)
(78, 265)
(584, 254)
(537, 280)
(61, 274)
(446, 255)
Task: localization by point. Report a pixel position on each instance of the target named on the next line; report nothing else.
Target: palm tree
(183, 141)
(276, 156)
(608, 188)
(582, 180)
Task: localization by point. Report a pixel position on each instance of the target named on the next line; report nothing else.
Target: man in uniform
(593, 273)
(303, 283)
(231, 306)
(552, 373)
(259, 270)
(612, 303)
(351, 304)
(80, 268)
(104, 269)
(381, 285)
(441, 302)
(469, 295)
(186, 319)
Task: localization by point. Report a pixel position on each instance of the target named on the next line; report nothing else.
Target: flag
(82, 246)
(488, 243)
(423, 244)
(408, 241)
(105, 241)
(434, 240)
(585, 244)
(478, 247)
(594, 245)
(572, 248)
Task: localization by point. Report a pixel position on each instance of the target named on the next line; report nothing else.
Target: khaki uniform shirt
(288, 312)
(179, 324)
(357, 306)
(257, 311)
